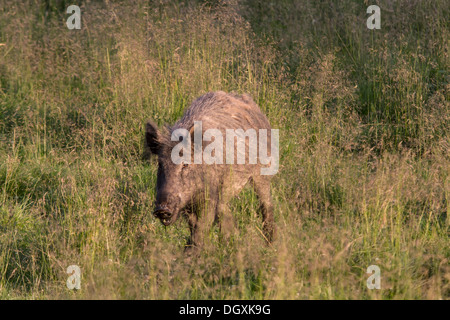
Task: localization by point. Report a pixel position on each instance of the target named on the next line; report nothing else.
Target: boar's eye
(185, 165)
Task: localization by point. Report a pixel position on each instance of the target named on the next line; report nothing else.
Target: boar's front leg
(192, 221)
(224, 217)
(261, 184)
(200, 223)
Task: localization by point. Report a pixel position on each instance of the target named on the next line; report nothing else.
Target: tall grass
(364, 137)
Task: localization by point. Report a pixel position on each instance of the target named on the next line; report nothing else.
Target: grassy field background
(364, 123)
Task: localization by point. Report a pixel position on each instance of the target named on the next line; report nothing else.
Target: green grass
(364, 124)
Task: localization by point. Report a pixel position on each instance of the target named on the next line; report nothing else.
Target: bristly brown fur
(187, 186)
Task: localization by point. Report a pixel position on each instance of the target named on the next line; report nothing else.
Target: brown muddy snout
(163, 213)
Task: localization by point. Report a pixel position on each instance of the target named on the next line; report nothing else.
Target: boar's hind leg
(262, 187)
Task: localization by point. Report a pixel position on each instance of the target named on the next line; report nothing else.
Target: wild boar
(198, 185)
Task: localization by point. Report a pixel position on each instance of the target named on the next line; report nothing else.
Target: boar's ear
(152, 138)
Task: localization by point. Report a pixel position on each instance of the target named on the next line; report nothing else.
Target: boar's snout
(163, 213)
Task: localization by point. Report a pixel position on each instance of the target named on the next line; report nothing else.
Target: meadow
(364, 119)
